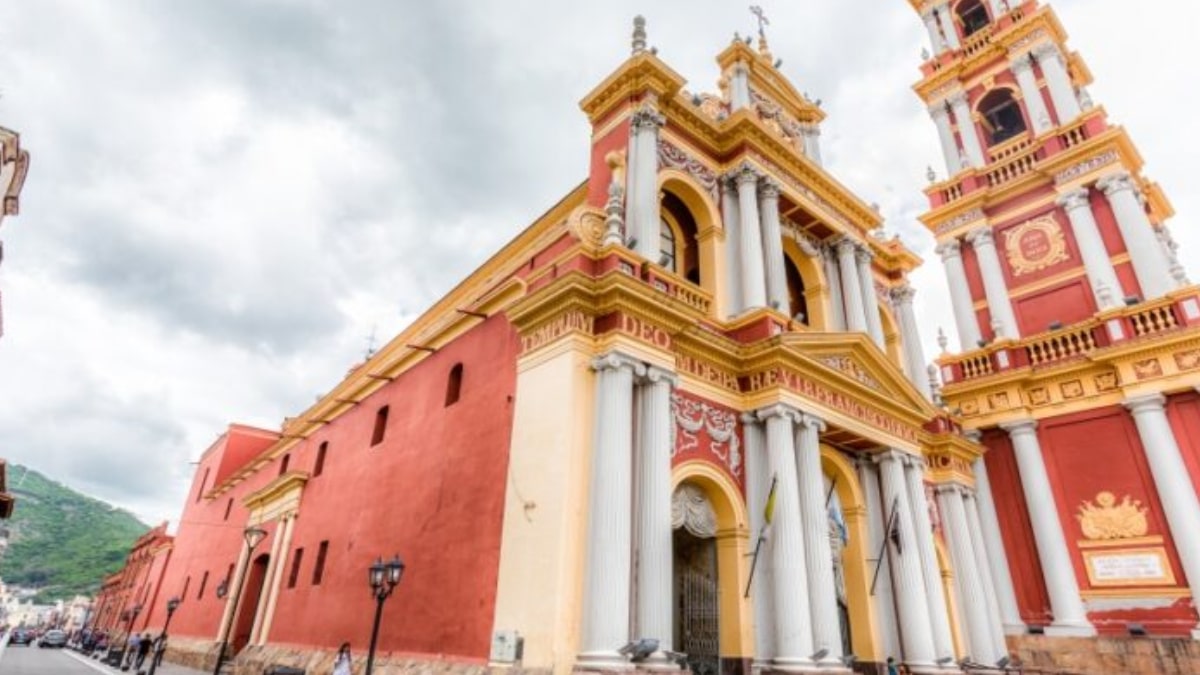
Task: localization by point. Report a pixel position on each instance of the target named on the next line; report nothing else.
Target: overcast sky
(227, 198)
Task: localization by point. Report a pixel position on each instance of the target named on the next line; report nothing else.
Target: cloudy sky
(227, 198)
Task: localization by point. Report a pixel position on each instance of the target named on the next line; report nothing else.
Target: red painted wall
(1067, 303)
(599, 175)
(1184, 412)
(729, 456)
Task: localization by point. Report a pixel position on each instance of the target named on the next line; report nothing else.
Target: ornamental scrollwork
(1105, 519)
(692, 417)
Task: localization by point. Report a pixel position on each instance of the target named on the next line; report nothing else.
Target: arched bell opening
(808, 291)
(691, 220)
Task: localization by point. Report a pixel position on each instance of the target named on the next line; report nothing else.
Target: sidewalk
(166, 668)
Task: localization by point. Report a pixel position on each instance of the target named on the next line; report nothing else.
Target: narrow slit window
(319, 466)
(283, 464)
(319, 567)
(228, 507)
(381, 418)
(295, 568)
(203, 584)
(454, 384)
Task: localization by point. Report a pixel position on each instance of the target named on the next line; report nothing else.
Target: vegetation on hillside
(62, 542)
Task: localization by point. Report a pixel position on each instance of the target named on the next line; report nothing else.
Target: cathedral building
(684, 419)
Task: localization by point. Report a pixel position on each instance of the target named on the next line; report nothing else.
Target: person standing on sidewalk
(343, 663)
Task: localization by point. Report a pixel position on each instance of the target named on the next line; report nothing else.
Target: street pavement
(38, 661)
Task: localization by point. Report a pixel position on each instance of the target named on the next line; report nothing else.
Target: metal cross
(757, 11)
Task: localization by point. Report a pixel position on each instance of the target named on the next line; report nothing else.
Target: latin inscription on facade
(833, 399)
(706, 372)
(1129, 567)
(646, 332)
(571, 322)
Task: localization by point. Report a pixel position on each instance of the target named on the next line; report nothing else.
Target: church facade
(684, 419)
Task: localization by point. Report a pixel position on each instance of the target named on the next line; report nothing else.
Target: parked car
(20, 636)
(53, 638)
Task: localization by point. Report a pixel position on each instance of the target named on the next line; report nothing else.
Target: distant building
(689, 404)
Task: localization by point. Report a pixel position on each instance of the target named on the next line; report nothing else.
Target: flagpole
(768, 513)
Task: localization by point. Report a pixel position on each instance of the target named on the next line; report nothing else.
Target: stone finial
(1085, 99)
(639, 35)
(963, 160)
(1104, 295)
(942, 341)
(925, 55)
(930, 174)
(935, 386)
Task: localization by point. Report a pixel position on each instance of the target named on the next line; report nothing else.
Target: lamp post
(383, 578)
(132, 614)
(253, 536)
(161, 647)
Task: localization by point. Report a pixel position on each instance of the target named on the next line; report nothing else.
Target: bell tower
(1077, 325)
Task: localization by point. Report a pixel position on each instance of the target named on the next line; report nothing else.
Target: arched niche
(816, 288)
(893, 341)
(1002, 114)
(709, 236)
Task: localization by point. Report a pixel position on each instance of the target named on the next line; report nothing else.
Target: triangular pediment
(855, 359)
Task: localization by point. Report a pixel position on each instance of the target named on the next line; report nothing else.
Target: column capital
(948, 489)
(915, 461)
(1073, 199)
(729, 183)
(863, 254)
(951, 248)
(938, 111)
(1020, 63)
(1115, 182)
(745, 173)
(845, 245)
(903, 294)
(749, 418)
(958, 98)
(768, 189)
(813, 422)
(892, 455)
(1020, 427)
(647, 117)
(655, 375)
(973, 435)
(981, 236)
(616, 361)
(1146, 403)
(779, 410)
(1046, 51)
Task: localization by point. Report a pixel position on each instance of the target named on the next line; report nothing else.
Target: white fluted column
(772, 237)
(793, 627)
(1173, 482)
(941, 118)
(884, 599)
(733, 250)
(754, 289)
(966, 129)
(1145, 253)
(642, 203)
(856, 318)
(910, 336)
(1106, 288)
(739, 87)
(994, 286)
(822, 601)
(758, 486)
(936, 42)
(653, 543)
(966, 574)
(608, 568)
(870, 301)
(264, 631)
(975, 529)
(915, 633)
(960, 295)
(1070, 616)
(239, 574)
(833, 279)
(1062, 92)
(812, 141)
(935, 598)
(993, 540)
(949, 32)
(1022, 68)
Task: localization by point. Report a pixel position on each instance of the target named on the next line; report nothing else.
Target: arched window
(797, 303)
(666, 245)
(973, 15)
(1002, 116)
(454, 384)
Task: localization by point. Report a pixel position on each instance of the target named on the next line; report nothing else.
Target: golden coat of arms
(1106, 519)
(1035, 245)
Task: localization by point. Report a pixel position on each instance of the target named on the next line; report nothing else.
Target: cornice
(645, 73)
(766, 77)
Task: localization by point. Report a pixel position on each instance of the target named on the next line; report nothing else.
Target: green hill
(60, 541)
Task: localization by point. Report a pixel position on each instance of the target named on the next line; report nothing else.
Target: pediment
(854, 358)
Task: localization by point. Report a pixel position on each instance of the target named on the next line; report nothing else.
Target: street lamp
(253, 536)
(383, 578)
(132, 613)
(161, 647)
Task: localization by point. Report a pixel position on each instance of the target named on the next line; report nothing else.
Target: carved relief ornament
(1035, 245)
(1105, 519)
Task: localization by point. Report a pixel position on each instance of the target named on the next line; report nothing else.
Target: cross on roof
(763, 21)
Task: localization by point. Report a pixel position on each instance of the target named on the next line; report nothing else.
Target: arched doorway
(248, 607)
(847, 511)
(696, 587)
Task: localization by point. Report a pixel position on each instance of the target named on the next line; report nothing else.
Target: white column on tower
(642, 202)
(754, 290)
(655, 553)
(812, 141)
(739, 87)
(1145, 253)
(1062, 92)
(1022, 68)
(960, 294)
(994, 287)
(1105, 286)
(946, 16)
(1172, 480)
(1070, 616)
(975, 529)
(910, 336)
(966, 574)
(936, 42)
(1006, 595)
(758, 486)
(733, 257)
(935, 598)
(916, 635)
(966, 129)
(822, 601)
(793, 627)
(870, 301)
(608, 568)
(772, 237)
(833, 280)
(856, 318)
(941, 118)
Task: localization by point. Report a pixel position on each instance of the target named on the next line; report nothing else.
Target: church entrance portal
(696, 601)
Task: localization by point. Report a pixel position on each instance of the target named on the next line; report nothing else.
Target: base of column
(659, 663)
(932, 668)
(1071, 630)
(791, 665)
(601, 662)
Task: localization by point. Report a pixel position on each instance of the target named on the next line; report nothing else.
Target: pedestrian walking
(342, 663)
(143, 650)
